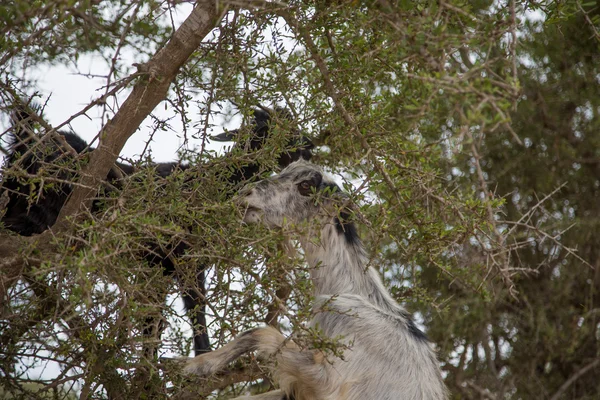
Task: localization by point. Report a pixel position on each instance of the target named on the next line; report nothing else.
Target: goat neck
(339, 264)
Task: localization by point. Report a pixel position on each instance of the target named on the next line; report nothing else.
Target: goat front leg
(266, 341)
(297, 371)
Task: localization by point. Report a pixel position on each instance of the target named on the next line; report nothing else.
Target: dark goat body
(27, 215)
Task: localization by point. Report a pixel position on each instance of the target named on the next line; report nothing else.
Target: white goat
(387, 357)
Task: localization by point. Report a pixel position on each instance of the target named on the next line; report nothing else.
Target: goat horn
(268, 110)
(227, 136)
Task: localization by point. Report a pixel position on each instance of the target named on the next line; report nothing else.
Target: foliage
(464, 131)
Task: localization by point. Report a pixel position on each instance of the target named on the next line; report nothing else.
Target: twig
(587, 19)
(573, 378)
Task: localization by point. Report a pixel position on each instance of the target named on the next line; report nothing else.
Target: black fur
(344, 226)
(412, 328)
(27, 216)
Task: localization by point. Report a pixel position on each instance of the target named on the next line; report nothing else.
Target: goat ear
(262, 113)
(225, 136)
(346, 214)
(344, 221)
(339, 199)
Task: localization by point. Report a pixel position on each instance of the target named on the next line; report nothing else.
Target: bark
(11, 264)
(148, 92)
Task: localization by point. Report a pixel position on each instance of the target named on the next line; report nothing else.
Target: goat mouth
(252, 215)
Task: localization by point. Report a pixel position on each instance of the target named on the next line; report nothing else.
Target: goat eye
(305, 188)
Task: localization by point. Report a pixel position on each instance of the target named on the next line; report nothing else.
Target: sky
(67, 91)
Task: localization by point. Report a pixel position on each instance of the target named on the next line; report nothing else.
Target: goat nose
(240, 197)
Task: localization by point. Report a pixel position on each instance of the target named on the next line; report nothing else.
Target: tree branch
(574, 377)
(13, 259)
(204, 387)
(147, 93)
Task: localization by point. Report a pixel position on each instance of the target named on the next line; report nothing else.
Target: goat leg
(266, 341)
(194, 300)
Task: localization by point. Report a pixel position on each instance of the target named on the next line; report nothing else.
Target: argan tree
(464, 131)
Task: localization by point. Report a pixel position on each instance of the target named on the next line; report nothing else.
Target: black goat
(26, 215)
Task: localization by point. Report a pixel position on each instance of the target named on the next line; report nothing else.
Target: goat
(27, 215)
(385, 355)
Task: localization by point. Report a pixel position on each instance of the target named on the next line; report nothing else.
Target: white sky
(68, 92)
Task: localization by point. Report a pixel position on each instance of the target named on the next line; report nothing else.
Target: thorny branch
(565, 386)
(147, 94)
(503, 263)
(151, 88)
